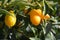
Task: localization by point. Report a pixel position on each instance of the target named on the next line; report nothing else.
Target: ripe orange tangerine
(35, 20)
(40, 13)
(36, 16)
(37, 12)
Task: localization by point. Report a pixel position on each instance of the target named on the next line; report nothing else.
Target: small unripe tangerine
(10, 20)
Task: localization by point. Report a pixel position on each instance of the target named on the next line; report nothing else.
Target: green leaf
(44, 9)
(3, 11)
(5, 2)
(33, 29)
(32, 38)
(0, 15)
(48, 28)
(50, 36)
(49, 6)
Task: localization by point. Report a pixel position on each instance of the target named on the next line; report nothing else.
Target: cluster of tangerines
(37, 16)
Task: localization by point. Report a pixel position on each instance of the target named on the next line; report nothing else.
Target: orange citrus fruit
(35, 20)
(40, 13)
(10, 20)
(36, 16)
(37, 12)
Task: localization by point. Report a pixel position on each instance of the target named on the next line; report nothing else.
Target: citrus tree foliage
(30, 26)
